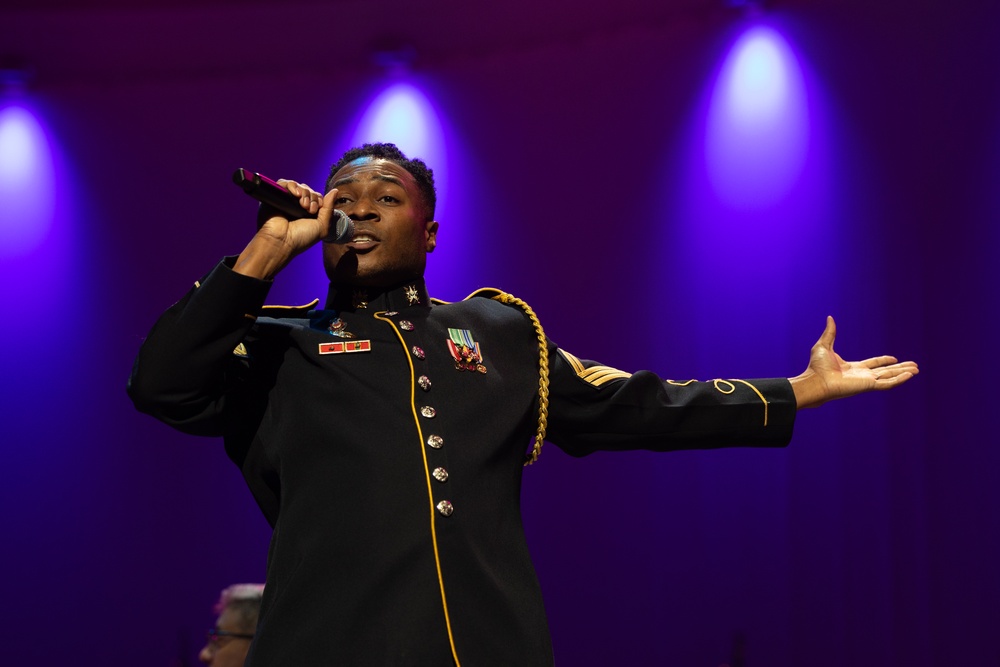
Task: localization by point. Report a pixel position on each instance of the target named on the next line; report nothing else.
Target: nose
(206, 655)
(362, 209)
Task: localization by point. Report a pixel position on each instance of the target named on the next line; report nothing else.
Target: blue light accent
(27, 182)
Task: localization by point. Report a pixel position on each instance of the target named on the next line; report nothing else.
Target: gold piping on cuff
(727, 387)
(730, 387)
(759, 394)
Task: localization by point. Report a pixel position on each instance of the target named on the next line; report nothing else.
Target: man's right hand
(280, 239)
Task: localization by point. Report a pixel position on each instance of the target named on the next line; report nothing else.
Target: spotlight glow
(403, 116)
(27, 182)
(758, 84)
(758, 126)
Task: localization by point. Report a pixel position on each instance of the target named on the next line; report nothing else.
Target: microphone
(266, 191)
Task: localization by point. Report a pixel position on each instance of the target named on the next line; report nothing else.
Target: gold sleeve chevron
(597, 376)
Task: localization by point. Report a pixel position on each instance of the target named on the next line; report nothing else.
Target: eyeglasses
(215, 636)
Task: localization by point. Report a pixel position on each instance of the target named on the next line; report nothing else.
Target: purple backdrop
(576, 181)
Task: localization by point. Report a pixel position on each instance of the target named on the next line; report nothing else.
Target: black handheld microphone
(266, 191)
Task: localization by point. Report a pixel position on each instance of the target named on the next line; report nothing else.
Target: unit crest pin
(338, 327)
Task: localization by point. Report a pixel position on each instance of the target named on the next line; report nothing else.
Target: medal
(465, 351)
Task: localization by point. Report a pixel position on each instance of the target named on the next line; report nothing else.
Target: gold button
(440, 474)
(435, 442)
(445, 508)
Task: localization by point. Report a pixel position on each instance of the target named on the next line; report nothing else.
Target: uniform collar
(376, 299)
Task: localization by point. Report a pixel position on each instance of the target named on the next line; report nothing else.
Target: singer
(384, 434)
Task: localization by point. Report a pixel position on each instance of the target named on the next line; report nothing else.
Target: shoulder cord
(543, 374)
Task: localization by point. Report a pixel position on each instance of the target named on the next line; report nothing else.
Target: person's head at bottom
(229, 641)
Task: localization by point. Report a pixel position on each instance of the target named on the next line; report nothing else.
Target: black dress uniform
(384, 437)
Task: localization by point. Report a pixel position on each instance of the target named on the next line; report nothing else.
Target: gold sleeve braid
(727, 387)
(543, 374)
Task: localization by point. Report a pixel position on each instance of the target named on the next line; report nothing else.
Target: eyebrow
(377, 177)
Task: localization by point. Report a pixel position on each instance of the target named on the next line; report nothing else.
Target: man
(228, 642)
(383, 436)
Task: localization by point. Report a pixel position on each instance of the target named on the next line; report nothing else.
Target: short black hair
(423, 174)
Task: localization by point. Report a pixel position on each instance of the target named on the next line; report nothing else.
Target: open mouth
(363, 241)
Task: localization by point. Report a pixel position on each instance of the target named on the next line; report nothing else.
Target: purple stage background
(576, 179)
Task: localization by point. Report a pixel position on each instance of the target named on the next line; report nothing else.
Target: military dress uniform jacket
(390, 477)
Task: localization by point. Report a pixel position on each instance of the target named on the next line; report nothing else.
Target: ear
(430, 231)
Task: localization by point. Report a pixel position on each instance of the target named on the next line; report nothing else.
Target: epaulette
(488, 292)
(543, 360)
(288, 311)
(543, 363)
(276, 312)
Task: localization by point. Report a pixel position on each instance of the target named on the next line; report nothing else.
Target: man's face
(226, 651)
(392, 234)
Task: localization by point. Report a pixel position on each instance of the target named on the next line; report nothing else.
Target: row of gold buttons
(444, 507)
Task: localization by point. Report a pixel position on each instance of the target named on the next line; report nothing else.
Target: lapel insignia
(412, 295)
(241, 351)
(344, 346)
(360, 298)
(465, 351)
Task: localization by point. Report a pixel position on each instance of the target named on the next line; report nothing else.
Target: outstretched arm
(828, 376)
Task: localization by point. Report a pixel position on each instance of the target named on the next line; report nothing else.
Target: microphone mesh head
(341, 228)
